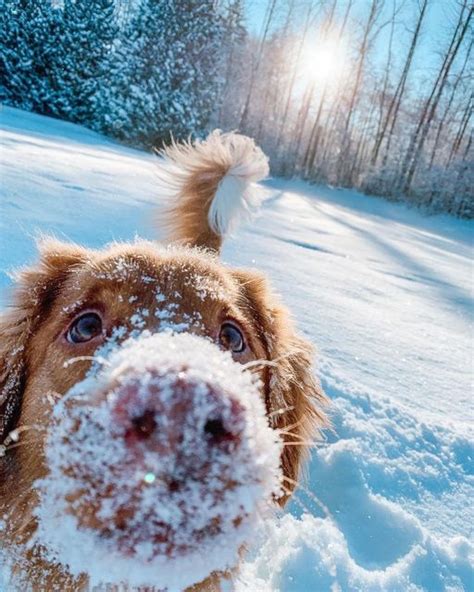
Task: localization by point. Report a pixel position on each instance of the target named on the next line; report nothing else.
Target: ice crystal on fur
(185, 489)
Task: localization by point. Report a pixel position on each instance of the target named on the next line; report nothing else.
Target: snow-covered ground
(384, 292)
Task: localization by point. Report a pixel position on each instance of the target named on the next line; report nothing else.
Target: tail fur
(209, 183)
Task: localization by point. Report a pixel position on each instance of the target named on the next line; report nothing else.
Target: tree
(31, 33)
(89, 28)
(415, 148)
(234, 60)
(395, 103)
(165, 73)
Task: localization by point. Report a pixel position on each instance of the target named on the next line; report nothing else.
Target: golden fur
(69, 278)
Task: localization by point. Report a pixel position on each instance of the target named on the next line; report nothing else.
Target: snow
(386, 295)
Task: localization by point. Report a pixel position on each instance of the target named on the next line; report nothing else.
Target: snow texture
(384, 292)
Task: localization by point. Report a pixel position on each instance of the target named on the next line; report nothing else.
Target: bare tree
(427, 114)
(270, 13)
(449, 104)
(394, 107)
(314, 137)
(375, 128)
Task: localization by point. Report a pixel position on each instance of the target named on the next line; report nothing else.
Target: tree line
(397, 121)
(139, 71)
(332, 89)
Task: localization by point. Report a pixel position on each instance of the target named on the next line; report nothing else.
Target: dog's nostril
(216, 431)
(144, 425)
(173, 486)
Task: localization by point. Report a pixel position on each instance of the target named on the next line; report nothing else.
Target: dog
(69, 305)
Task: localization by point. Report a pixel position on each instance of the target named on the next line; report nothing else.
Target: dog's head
(76, 305)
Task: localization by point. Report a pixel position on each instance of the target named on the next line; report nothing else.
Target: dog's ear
(295, 400)
(35, 289)
(209, 187)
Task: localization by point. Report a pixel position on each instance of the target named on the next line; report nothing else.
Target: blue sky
(440, 14)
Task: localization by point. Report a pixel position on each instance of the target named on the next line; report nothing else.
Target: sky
(440, 14)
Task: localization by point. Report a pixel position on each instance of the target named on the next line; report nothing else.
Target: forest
(350, 93)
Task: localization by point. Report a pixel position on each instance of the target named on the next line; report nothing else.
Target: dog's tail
(210, 186)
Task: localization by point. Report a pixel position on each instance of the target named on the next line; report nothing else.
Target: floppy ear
(295, 400)
(35, 290)
(209, 187)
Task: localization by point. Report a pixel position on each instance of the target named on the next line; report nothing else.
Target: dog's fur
(210, 181)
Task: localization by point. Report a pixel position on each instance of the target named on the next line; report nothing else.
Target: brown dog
(72, 302)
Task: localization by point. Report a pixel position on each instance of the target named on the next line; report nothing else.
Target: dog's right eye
(85, 328)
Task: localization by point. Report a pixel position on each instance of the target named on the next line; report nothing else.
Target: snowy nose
(144, 427)
(164, 452)
(165, 411)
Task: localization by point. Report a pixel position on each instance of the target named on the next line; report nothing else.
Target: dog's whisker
(293, 437)
(295, 497)
(291, 433)
(306, 444)
(293, 425)
(5, 449)
(12, 439)
(259, 363)
(310, 494)
(14, 435)
(290, 437)
(281, 411)
(98, 359)
(267, 363)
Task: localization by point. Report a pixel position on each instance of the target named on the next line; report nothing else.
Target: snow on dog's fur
(71, 314)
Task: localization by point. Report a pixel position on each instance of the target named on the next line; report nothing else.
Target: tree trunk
(416, 145)
(394, 107)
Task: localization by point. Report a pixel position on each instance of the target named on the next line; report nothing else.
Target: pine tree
(164, 76)
(89, 28)
(195, 65)
(31, 33)
(126, 106)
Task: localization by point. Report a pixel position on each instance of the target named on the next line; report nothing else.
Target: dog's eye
(231, 338)
(85, 328)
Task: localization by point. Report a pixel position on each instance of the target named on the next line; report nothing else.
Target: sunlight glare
(323, 63)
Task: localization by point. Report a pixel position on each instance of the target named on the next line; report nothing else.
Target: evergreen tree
(160, 76)
(165, 74)
(126, 106)
(195, 62)
(89, 28)
(29, 48)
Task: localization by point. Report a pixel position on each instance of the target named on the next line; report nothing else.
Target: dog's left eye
(85, 328)
(231, 338)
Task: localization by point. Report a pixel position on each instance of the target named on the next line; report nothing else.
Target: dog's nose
(144, 426)
(163, 455)
(166, 411)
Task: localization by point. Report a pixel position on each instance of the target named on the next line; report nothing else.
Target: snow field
(386, 295)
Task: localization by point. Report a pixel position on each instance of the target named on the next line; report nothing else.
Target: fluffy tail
(210, 185)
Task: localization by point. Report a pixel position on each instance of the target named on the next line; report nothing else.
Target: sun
(324, 62)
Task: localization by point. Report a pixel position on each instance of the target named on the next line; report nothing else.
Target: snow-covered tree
(127, 105)
(236, 63)
(89, 28)
(31, 32)
(164, 76)
(53, 57)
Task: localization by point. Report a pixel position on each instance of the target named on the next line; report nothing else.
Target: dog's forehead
(145, 276)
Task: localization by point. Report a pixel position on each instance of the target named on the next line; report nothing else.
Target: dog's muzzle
(162, 453)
